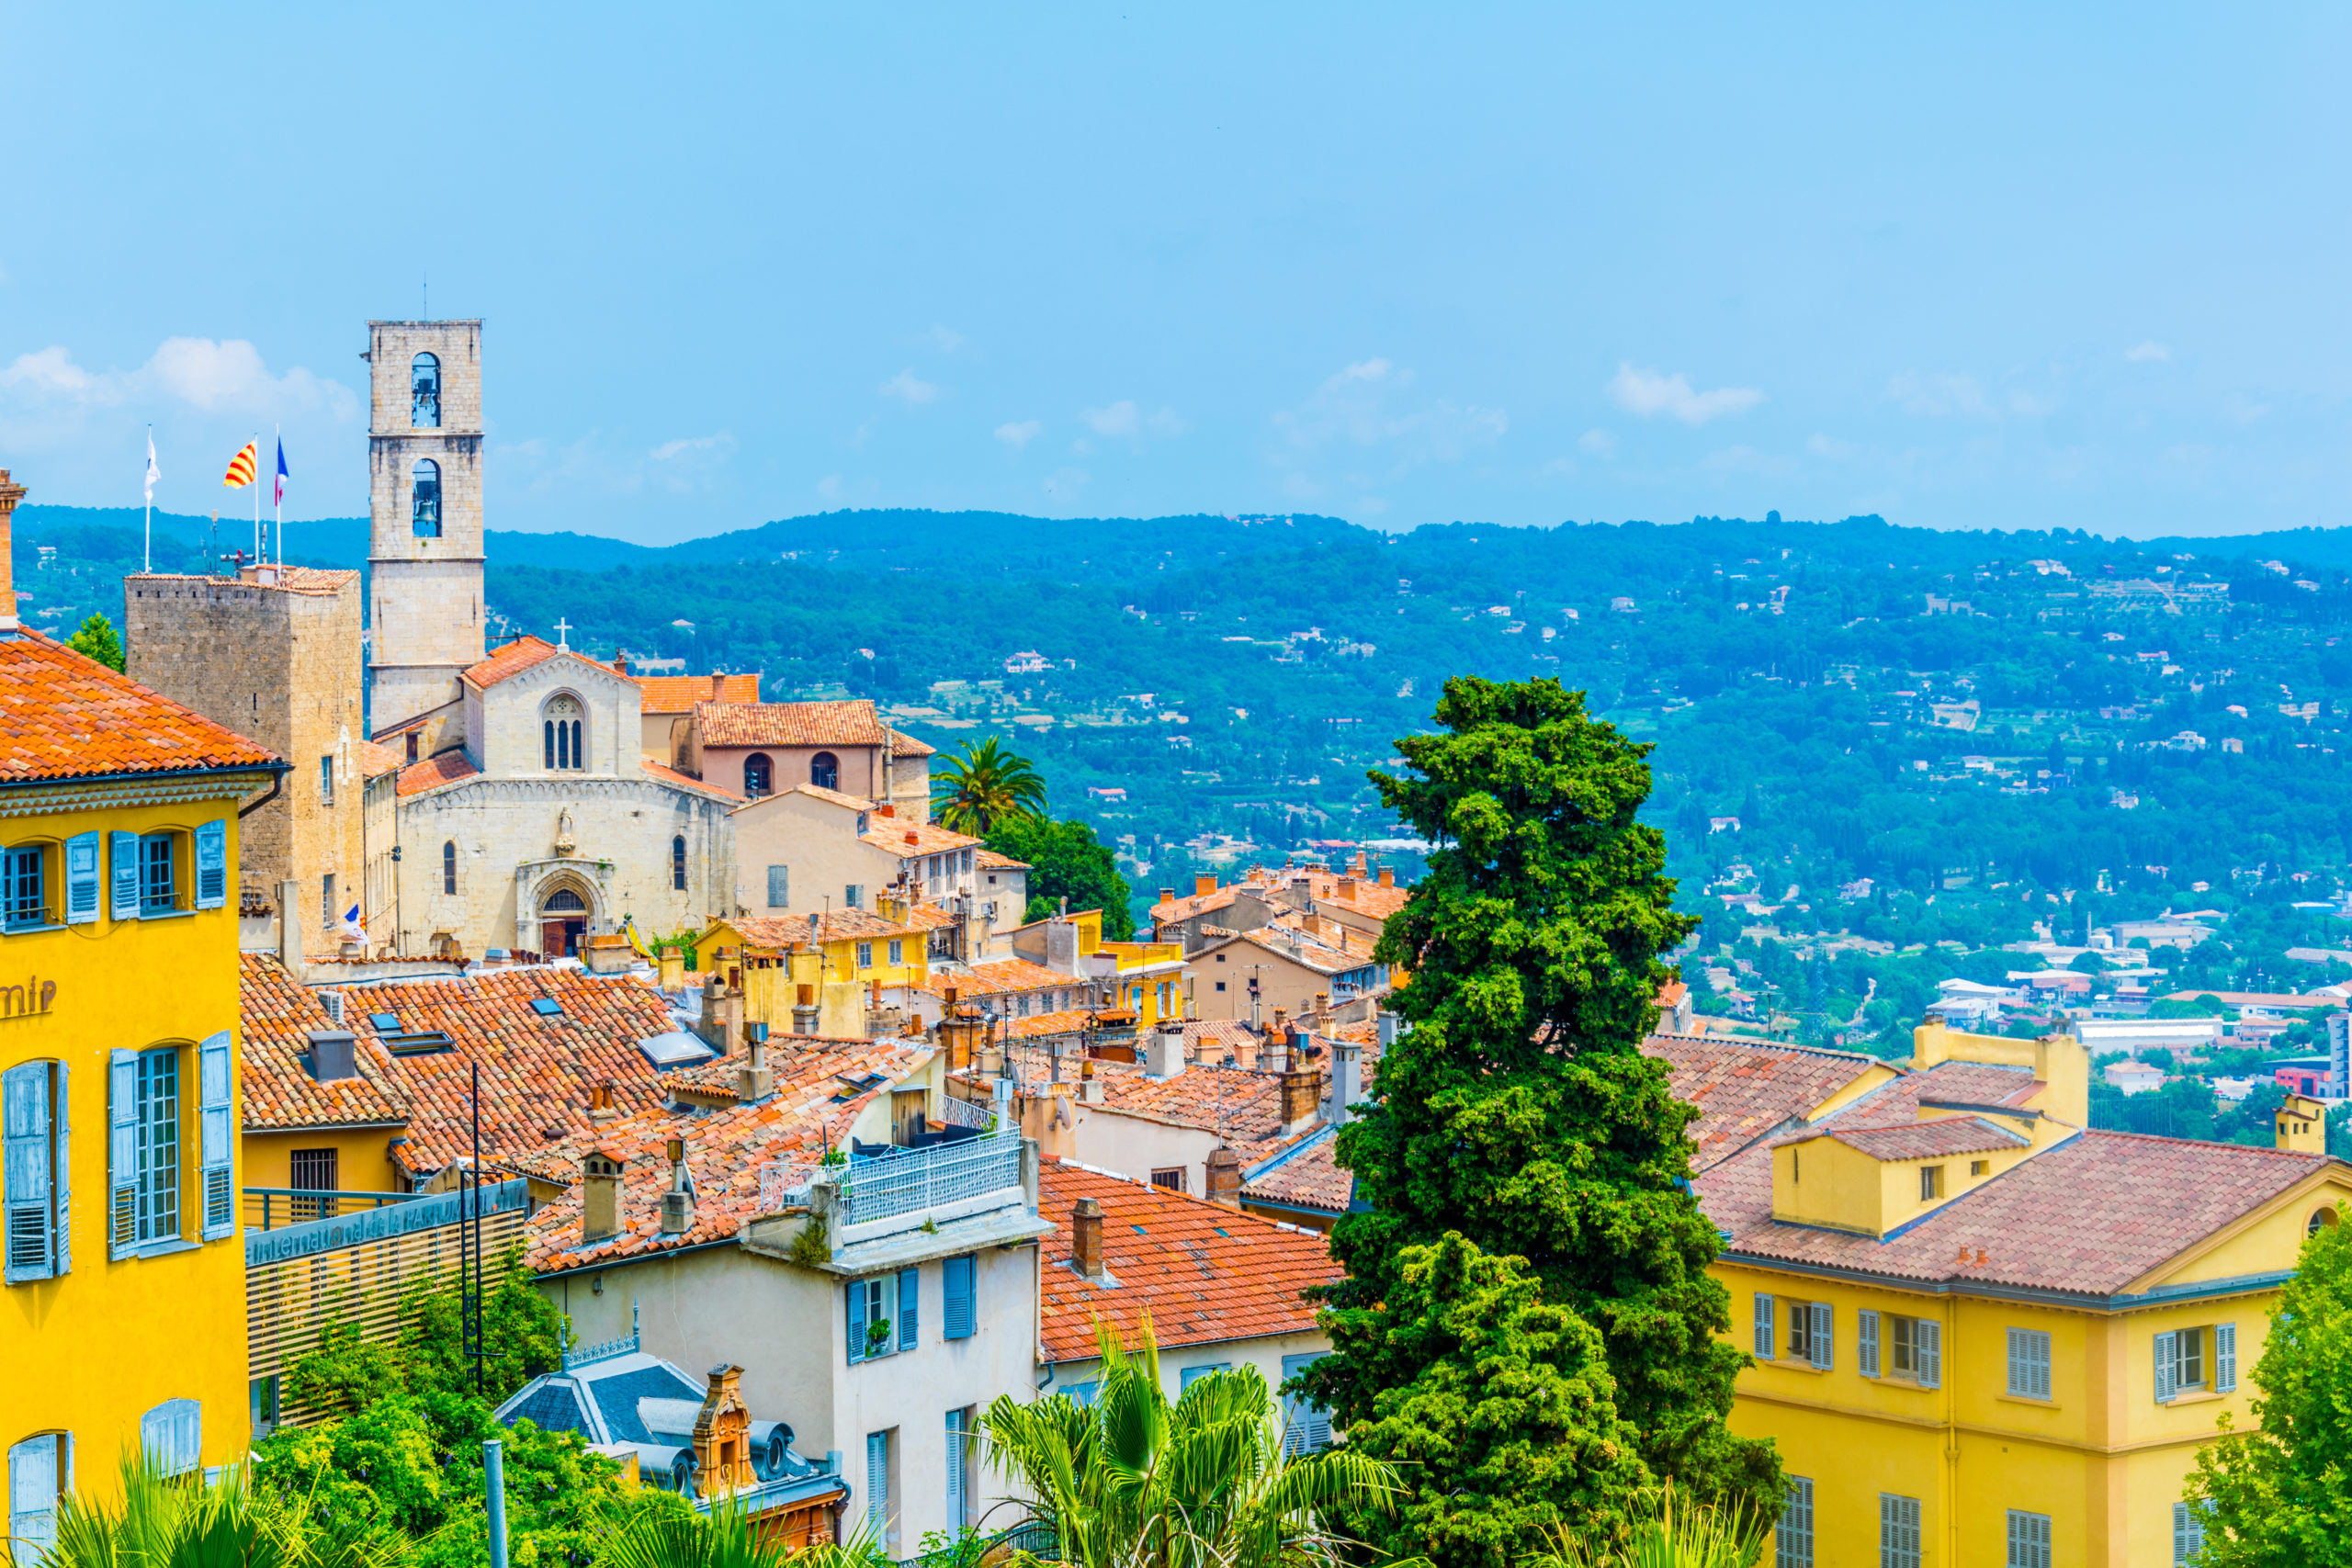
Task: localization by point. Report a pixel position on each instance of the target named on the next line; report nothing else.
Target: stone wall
(280, 664)
(427, 613)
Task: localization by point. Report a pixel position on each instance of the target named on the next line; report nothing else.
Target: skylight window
(385, 1022)
(546, 1007)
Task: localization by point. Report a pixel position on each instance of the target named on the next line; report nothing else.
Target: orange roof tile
(788, 724)
(679, 694)
(1206, 1274)
(725, 1148)
(1310, 1178)
(905, 745)
(513, 658)
(989, 860)
(775, 932)
(441, 767)
(1003, 977)
(276, 1015)
(902, 837)
(64, 717)
(1748, 1089)
(376, 760)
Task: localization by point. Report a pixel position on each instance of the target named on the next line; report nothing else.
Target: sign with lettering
(28, 1000)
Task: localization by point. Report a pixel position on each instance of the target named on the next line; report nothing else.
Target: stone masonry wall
(427, 614)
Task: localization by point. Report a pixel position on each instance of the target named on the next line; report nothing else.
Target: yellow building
(838, 962)
(122, 1302)
(1982, 1333)
(1149, 980)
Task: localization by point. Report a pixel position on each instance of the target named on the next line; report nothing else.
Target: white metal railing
(906, 1181)
(784, 1186)
(957, 1112)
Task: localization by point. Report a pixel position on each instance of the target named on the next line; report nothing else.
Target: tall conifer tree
(1518, 1109)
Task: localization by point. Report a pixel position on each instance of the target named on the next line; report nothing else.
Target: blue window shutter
(1824, 1355)
(26, 1167)
(1307, 1426)
(122, 849)
(955, 1470)
(877, 1484)
(2168, 1364)
(61, 1177)
(2225, 1357)
(82, 879)
(779, 887)
(122, 1139)
(1931, 1354)
(218, 1143)
(958, 1313)
(1763, 1327)
(1866, 1343)
(909, 1297)
(856, 1320)
(212, 863)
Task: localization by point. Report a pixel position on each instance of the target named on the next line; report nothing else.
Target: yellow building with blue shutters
(122, 1299)
(1981, 1333)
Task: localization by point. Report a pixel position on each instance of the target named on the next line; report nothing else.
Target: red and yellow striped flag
(242, 467)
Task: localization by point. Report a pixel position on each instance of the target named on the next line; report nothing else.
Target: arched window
(678, 863)
(425, 504)
(759, 775)
(450, 866)
(564, 901)
(561, 729)
(825, 771)
(424, 393)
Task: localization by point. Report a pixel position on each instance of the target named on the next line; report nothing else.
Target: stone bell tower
(424, 548)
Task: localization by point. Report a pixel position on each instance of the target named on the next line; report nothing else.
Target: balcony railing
(266, 1208)
(906, 1181)
(398, 1214)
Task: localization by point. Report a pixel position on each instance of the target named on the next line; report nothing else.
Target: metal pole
(494, 1480)
(475, 1176)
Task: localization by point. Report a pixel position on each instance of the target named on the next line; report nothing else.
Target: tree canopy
(1067, 860)
(987, 786)
(98, 641)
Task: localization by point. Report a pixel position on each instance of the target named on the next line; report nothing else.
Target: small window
(546, 1007)
(326, 781)
(561, 735)
(564, 901)
(158, 879)
(1913, 1347)
(21, 885)
(1792, 1538)
(1192, 1375)
(1931, 1183)
(2321, 1219)
(326, 899)
(416, 740)
(2028, 1539)
(825, 771)
(1220, 985)
(853, 896)
(898, 950)
(450, 866)
(424, 393)
(865, 955)
(779, 887)
(385, 1022)
(425, 499)
(678, 864)
(1898, 1531)
(2028, 1363)
(1979, 1166)
(1171, 1177)
(1811, 1334)
(759, 775)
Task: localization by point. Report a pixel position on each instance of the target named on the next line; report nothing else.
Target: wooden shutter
(958, 1313)
(35, 1480)
(1931, 1354)
(909, 1297)
(60, 1178)
(122, 851)
(1866, 1342)
(2168, 1364)
(1823, 1349)
(212, 864)
(955, 1470)
(779, 887)
(1307, 1426)
(2187, 1536)
(856, 1320)
(877, 1483)
(2225, 1357)
(122, 1135)
(82, 879)
(1763, 1327)
(26, 1166)
(216, 1136)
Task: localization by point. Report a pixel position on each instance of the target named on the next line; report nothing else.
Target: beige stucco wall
(1281, 983)
(1136, 1146)
(816, 840)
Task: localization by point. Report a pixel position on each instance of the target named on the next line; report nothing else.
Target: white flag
(151, 475)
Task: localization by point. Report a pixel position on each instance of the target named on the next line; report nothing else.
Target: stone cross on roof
(562, 627)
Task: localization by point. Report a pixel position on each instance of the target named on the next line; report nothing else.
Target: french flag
(277, 497)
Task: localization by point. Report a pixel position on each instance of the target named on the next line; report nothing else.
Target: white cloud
(1600, 442)
(2032, 405)
(1064, 484)
(1821, 446)
(1125, 421)
(1649, 394)
(2149, 353)
(830, 487)
(1353, 409)
(693, 446)
(1939, 395)
(948, 339)
(910, 389)
(686, 465)
(1019, 435)
(217, 377)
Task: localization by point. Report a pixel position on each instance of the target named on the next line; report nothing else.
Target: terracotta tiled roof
(1306, 952)
(777, 931)
(1343, 940)
(537, 1071)
(905, 745)
(788, 724)
(2087, 1216)
(64, 717)
(1311, 1179)
(1916, 1140)
(724, 1149)
(668, 775)
(831, 796)
(443, 767)
(904, 838)
(718, 1073)
(1748, 1089)
(376, 760)
(275, 1014)
(1206, 1274)
(511, 660)
(315, 579)
(989, 860)
(679, 694)
(1004, 977)
(1367, 896)
(1044, 1025)
(1322, 886)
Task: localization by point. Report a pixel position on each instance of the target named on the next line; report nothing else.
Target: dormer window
(424, 393)
(1931, 1183)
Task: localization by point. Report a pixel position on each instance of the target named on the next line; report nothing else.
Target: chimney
(601, 1108)
(10, 493)
(1302, 1094)
(1224, 1176)
(913, 837)
(722, 1437)
(722, 1014)
(754, 1081)
(1347, 890)
(600, 1197)
(884, 809)
(1356, 866)
(332, 1056)
(678, 1204)
(1385, 1024)
(1167, 894)
(1086, 1239)
(1163, 1054)
(1203, 885)
(620, 662)
(289, 928)
(1050, 1121)
(718, 685)
(1388, 876)
(1089, 1087)
(1346, 1080)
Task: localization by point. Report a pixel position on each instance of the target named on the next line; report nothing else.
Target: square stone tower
(424, 549)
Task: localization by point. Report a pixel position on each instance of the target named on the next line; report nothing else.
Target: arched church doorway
(563, 923)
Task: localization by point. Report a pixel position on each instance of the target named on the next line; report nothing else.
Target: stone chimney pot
(1086, 1239)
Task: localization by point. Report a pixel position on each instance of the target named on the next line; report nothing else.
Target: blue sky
(1982, 269)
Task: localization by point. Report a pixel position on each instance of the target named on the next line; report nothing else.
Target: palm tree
(1134, 1481)
(984, 788)
(727, 1538)
(186, 1522)
(1668, 1533)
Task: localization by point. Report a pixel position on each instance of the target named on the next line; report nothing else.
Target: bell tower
(424, 540)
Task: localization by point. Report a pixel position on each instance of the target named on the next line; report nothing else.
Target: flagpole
(255, 481)
(148, 564)
(278, 502)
